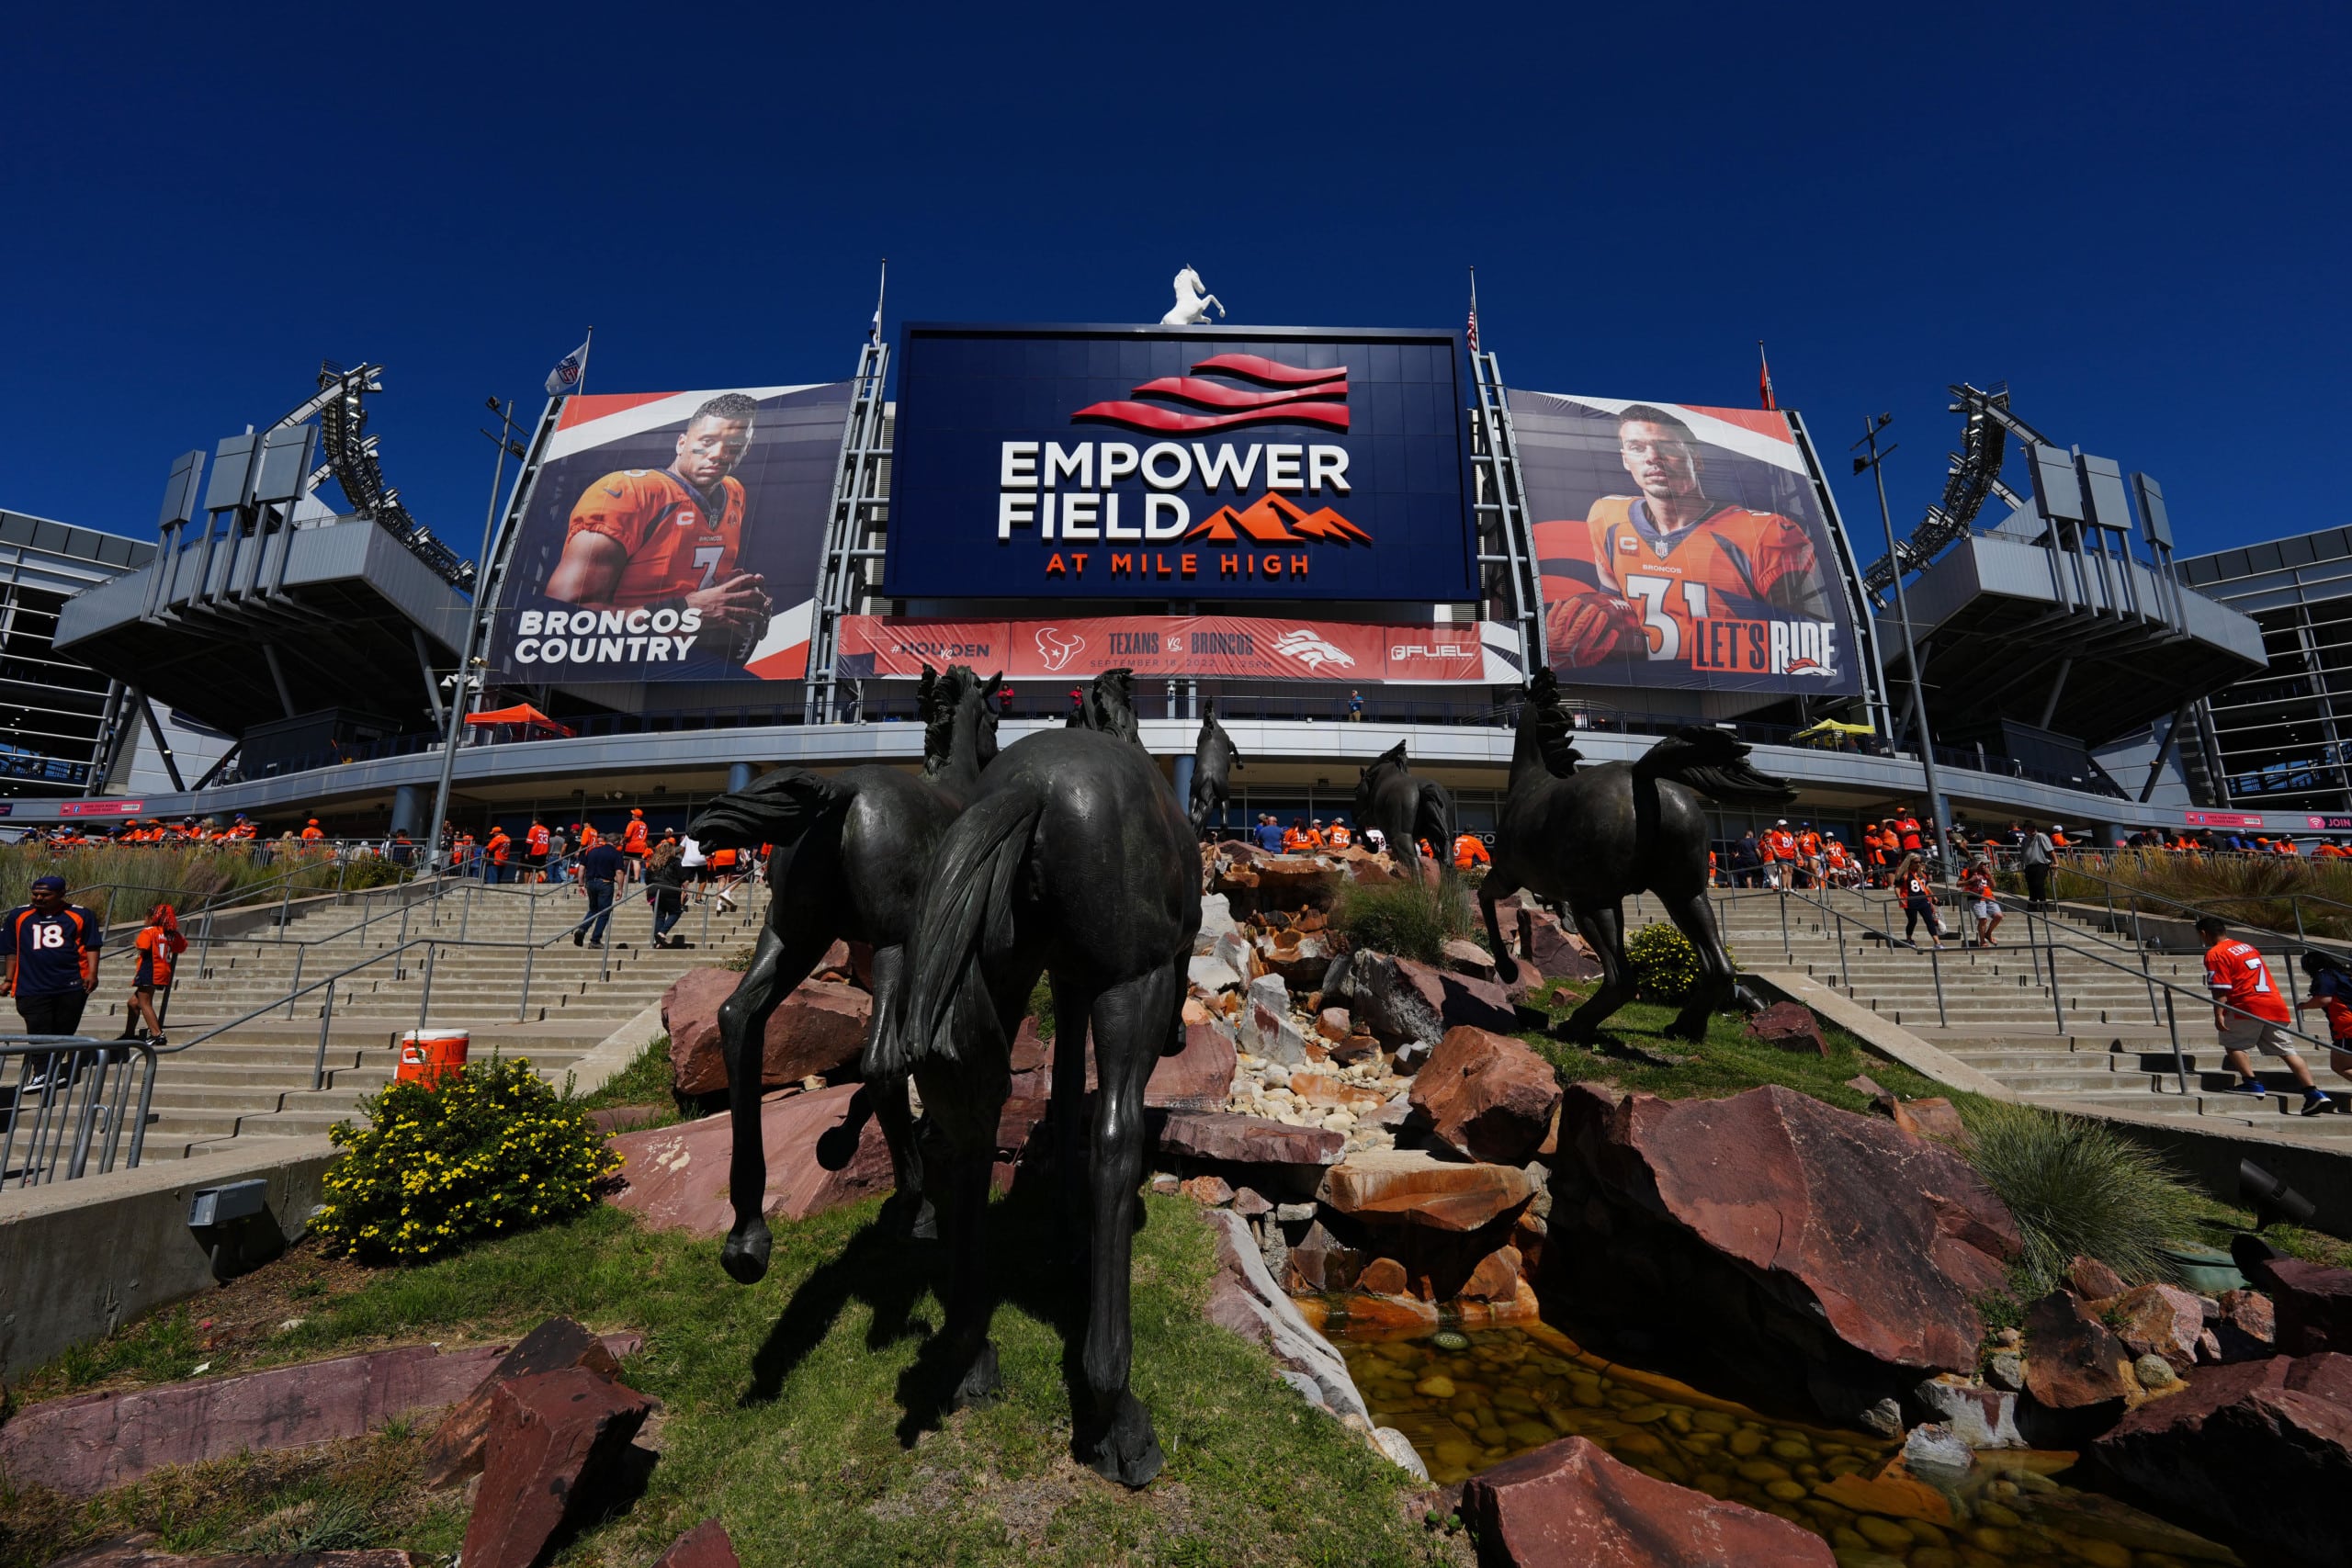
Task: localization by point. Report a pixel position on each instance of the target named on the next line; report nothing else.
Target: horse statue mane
(1193, 301)
(945, 696)
(1555, 730)
(1111, 705)
(1715, 763)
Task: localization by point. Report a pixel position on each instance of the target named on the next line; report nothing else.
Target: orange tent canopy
(523, 714)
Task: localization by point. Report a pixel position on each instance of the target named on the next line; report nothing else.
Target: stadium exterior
(327, 640)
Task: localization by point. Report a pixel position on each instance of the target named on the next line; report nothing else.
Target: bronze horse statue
(1215, 757)
(1405, 808)
(851, 855)
(1073, 859)
(1109, 706)
(1587, 837)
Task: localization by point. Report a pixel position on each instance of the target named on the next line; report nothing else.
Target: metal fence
(72, 1106)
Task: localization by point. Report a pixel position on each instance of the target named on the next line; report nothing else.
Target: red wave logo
(1294, 394)
(1276, 519)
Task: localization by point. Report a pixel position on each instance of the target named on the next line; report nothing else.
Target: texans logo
(1057, 648)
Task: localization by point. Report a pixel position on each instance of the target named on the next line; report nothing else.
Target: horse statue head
(1193, 301)
(961, 706)
(1111, 705)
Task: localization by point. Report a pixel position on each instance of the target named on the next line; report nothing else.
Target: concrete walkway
(500, 967)
(2097, 1039)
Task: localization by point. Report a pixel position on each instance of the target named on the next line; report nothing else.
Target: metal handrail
(63, 1133)
(2045, 949)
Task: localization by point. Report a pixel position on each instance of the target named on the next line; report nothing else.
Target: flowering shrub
(1664, 964)
(488, 1152)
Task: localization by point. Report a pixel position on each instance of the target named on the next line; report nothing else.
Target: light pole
(1937, 810)
(465, 682)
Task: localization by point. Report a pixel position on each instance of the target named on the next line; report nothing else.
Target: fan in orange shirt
(647, 538)
(1628, 581)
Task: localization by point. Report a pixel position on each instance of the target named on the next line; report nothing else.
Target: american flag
(1474, 310)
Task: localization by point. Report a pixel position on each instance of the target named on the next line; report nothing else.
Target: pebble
(2155, 1373)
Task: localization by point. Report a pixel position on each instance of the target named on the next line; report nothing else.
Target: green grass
(648, 1080)
(1638, 1053)
(800, 1412)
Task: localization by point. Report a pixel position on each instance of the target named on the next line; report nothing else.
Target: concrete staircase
(255, 1079)
(2099, 1041)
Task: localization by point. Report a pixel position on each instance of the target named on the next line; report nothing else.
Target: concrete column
(1184, 760)
(408, 811)
(739, 776)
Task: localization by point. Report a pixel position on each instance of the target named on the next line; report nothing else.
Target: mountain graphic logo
(1276, 519)
(1274, 393)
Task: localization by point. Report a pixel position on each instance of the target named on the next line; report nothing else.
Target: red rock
(2072, 1362)
(2162, 1320)
(1769, 1228)
(1195, 1011)
(1932, 1117)
(1383, 1277)
(1321, 1262)
(2313, 1303)
(556, 1444)
(1324, 1093)
(1488, 1095)
(1016, 1122)
(1246, 1140)
(2248, 1317)
(1030, 1051)
(1569, 1505)
(1357, 1047)
(704, 1546)
(1365, 1310)
(2094, 1281)
(2258, 1454)
(89, 1443)
(1210, 1191)
(820, 1027)
(1558, 953)
(1409, 1187)
(1496, 1278)
(1789, 1026)
(1405, 1003)
(456, 1447)
(1248, 1203)
(1295, 882)
(1198, 1078)
(677, 1177)
(1332, 1023)
(1465, 957)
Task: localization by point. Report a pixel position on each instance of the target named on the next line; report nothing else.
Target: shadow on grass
(1031, 1261)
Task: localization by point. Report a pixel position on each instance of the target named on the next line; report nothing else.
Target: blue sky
(2135, 215)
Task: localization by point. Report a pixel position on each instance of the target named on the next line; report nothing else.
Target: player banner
(1681, 547)
(673, 536)
(1158, 647)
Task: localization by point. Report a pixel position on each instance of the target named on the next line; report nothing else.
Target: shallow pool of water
(1468, 1400)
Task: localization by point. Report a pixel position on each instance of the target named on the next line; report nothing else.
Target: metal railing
(71, 1103)
(2043, 948)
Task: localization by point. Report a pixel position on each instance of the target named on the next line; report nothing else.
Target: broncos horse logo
(1311, 650)
(1057, 648)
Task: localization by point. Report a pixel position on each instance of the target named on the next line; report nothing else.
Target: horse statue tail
(1715, 764)
(966, 911)
(780, 808)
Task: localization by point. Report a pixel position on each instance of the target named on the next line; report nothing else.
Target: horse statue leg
(1603, 928)
(781, 961)
(1073, 1013)
(1505, 966)
(964, 1096)
(1718, 975)
(887, 1090)
(1131, 1022)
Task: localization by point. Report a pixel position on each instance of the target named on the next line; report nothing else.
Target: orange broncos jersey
(675, 546)
(1726, 564)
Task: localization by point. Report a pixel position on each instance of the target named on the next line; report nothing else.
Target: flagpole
(585, 349)
(881, 290)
